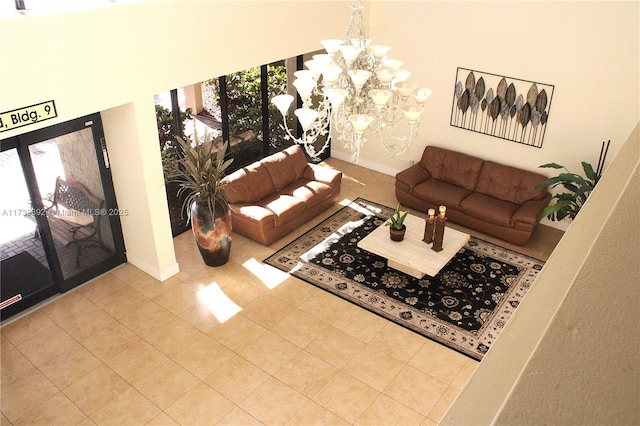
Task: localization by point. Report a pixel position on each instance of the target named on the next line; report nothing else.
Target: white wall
(589, 51)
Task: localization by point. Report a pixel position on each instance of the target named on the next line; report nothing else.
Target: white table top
(412, 253)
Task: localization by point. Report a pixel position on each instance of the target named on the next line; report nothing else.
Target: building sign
(28, 115)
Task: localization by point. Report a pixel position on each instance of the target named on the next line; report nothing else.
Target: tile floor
(127, 349)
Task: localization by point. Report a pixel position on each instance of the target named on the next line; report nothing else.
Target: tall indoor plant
(576, 188)
(199, 173)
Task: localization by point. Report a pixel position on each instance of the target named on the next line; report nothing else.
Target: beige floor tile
(240, 292)
(101, 287)
(178, 298)
(25, 393)
(269, 351)
(200, 317)
(151, 287)
(57, 410)
(96, 389)
(306, 373)
(162, 419)
(416, 390)
(398, 341)
(203, 356)
(174, 337)
(190, 263)
(239, 417)
(443, 404)
(4, 421)
(273, 402)
(136, 360)
(335, 347)
(63, 307)
(299, 327)
(47, 345)
(237, 332)
(387, 411)
(128, 408)
(13, 364)
(86, 322)
(465, 374)
(313, 413)
(201, 278)
(429, 422)
(439, 361)
(26, 327)
(109, 341)
(325, 306)
(166, 384)
(147, 319)
(346, 396)
(374, 367)
(360, 323)
(201, 405)
(266, 310)
(70, 366)
(295, 291)
(236, 379)
(128, 273)
(121, 302)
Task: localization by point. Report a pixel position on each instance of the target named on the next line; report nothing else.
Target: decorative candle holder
(429, 227)
(438, 234)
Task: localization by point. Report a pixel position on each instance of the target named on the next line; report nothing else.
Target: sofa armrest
(323, 174)
(530, 211)
(411, 177)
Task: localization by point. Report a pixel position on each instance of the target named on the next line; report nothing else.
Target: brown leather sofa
(496, 199)
(273, 196)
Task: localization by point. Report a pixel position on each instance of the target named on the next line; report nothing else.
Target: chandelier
(352, 88)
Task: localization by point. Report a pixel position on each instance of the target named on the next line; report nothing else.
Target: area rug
(464, 307)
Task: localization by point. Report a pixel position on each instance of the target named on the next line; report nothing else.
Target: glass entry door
(64, 214)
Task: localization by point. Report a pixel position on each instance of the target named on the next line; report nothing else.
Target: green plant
(200, 172)
(577, 188)
(244, 101)
(166, 131)
(396, 219)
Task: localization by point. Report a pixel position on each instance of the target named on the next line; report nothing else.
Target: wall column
(134, 152)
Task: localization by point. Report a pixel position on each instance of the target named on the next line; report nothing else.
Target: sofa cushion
(248, 184)
(452, 167)
(440, 193)
(286, 166)
(286, 207)
(310, 191)
(510, 184)
(489, 209)
(257, 217)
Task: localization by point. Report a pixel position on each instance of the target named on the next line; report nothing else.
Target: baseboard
(366, 164)
(160, 275)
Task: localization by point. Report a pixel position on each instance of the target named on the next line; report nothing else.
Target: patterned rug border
(291, 258)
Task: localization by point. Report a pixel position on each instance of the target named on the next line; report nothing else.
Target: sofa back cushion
(286, 167)
(452, 167)
(509, 183)
(248, 184)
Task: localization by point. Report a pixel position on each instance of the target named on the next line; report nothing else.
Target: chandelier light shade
(352, 89)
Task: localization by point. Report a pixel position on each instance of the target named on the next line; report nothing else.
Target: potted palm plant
(396, 225)
(199, 174)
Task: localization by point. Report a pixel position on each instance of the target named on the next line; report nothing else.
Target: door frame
(22, 143)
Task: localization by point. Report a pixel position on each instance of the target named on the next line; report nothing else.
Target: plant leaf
(588, 171)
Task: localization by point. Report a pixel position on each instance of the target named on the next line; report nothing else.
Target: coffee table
(412, 255)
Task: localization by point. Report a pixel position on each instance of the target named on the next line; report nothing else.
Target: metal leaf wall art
(504, 107)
